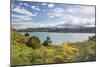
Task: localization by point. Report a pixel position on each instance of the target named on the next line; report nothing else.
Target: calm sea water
(58, 38)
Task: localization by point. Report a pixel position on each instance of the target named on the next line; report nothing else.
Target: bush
(25, 38)
(26, 34)
(34, 42)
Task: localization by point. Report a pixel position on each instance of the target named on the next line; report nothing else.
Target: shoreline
(58, 32)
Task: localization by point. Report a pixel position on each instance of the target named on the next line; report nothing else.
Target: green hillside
(26, 51)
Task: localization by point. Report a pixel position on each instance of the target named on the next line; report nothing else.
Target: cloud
(25, 14)
(74, 21)
(35, 8)
(65, 18)
(24, 25)
(71, 22)
(21, 25)
(21, 17)
(56, 12)
(24, 11)
(82, 9)
(79, 11)
(44, 3)
(51, 5)
(21, 10)
(20, 3)
(26, 4)
(18, 26)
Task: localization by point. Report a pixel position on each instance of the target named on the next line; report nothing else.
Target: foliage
(34, 42)
(47, 42)
(69, 49)
(21, 54)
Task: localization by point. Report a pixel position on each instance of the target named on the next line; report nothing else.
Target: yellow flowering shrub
(69, 48)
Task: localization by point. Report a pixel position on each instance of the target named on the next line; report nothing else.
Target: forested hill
(64, 30)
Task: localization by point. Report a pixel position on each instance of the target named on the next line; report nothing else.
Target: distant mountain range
(64, 30)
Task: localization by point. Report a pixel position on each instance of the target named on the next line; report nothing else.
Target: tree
(47, 42)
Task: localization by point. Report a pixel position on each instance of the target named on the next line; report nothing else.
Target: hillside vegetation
(30, 52)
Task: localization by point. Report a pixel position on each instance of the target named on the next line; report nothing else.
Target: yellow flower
(69, 48)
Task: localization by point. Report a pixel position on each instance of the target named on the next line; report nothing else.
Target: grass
(21, 54)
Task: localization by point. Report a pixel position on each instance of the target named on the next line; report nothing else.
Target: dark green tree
(47, 42)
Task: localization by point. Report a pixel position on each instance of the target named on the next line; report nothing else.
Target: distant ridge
(64, 30)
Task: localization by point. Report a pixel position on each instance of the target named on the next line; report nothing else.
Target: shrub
(26, 34)
(47, 42)
(34, 42)
(69, 49)
(25, 39)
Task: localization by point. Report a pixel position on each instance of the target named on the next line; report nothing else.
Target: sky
(26, 14)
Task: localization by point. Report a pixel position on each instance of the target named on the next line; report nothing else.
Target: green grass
(21, 54)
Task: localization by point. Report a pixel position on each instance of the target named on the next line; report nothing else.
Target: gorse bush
(68, 48)
(33, 52)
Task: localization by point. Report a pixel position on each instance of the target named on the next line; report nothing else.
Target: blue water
(58, 38)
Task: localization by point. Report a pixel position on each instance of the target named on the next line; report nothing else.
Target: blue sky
(26, 14)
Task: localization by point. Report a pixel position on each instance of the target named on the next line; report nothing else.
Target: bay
(59, 38)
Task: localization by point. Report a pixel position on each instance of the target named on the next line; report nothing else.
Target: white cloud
(44, 4)
(20, 10)
(68, 19)
(21, 25)
(73, 20)
(51, 5)
(21, 17)
(27, 15)
(24, 25)
(26, 4)
(56, 12)
(35, 8)
(20, 3)
(82, 9)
